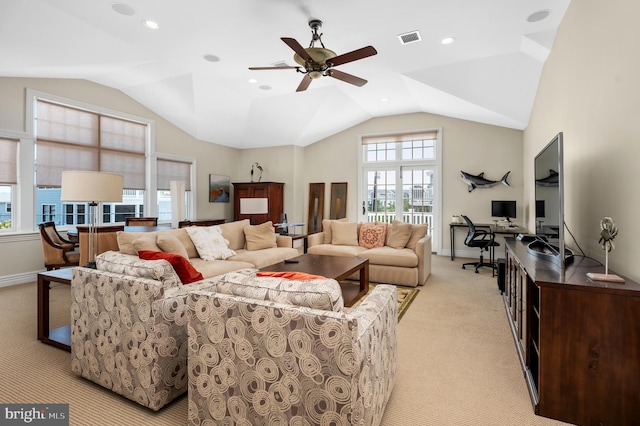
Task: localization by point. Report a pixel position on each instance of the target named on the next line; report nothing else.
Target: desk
(60, 337)
(491, 226)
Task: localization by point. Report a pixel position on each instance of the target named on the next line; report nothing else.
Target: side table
(59, 337)
(302, 237)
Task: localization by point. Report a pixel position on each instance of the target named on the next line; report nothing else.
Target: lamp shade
(254, 205)
(87, 186)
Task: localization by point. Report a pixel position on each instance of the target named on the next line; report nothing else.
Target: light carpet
(457, 363)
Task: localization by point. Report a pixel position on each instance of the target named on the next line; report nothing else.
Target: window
(172, 170)
(399, 173)
(8, 180)
(72, 138)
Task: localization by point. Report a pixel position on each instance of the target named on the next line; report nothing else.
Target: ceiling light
(123, 9)
(264, 87)
(385, 99)
(253, 81)
(448, 40)
(538, 16)
(211, 58)
(152, 25)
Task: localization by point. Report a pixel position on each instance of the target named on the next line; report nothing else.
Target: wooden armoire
(272, 191)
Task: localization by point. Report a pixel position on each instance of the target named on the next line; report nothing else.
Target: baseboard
(26, 277)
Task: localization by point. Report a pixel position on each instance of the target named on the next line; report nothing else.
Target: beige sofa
(265, 248)
(401, 252)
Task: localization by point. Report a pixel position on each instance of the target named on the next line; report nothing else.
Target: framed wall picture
(219, 187)
(316, 208)
(338, 208)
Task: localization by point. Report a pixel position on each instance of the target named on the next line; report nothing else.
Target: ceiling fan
(317, 62)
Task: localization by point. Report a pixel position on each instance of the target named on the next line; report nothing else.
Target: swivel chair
(485, 241)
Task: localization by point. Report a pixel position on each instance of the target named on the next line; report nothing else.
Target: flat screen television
(506, 209)
(549, 207)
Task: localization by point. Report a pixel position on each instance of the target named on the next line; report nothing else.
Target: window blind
(407, 137)
(69, 138)
(8, 161)
(169, 170)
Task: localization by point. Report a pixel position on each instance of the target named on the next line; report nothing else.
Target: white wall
(589, 90)
(468, 146)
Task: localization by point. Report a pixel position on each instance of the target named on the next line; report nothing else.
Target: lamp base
(91, 264)
(605, 277)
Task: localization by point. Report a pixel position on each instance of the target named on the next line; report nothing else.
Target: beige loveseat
(398, 253)
(255, 246)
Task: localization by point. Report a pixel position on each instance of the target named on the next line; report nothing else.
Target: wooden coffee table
(336, 267)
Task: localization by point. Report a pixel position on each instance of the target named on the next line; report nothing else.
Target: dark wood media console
(578, 340)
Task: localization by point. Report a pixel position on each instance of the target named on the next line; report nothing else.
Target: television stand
(577, 339)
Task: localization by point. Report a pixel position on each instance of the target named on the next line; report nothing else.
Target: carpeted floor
(457, 364)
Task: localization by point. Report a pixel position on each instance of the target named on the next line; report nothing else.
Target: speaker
(502, 274)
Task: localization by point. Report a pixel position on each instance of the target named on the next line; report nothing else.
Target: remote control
(291, 261)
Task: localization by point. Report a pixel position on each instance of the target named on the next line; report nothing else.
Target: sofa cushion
(371, 235)
(146, 242)
(399, 234)
(169, 243)
(333, 250)
(265, 257)
(126, 264)
(125, 240)
(187, 273)
(209, 242)
(260, 237)
(324, 294)
(403, 257)
(326, 228)
(213, 268)
(417, 232)
(344, 233)
(234, 233)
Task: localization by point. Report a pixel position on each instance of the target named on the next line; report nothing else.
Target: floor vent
(410, 37)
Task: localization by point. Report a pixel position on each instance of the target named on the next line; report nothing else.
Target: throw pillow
(260, 237)
(399, 234)
(209, 242)
(170, 243)
(326, 228)
(417, 232)
(146, 242)
(344, 233)
(300, 276)
(187, 273)
(234, 233)
(372, 235)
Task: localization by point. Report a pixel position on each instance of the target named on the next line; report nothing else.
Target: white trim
(23, 278)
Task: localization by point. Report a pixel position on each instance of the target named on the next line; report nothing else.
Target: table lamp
(93, 188)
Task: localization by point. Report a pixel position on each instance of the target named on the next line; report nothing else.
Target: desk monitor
(506, 209)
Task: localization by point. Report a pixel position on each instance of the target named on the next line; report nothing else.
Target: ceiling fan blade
(273, 68)
(293, 44)
(352, 79)
(306, 81)
(354, 55)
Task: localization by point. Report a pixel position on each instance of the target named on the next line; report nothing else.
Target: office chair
(485, 241)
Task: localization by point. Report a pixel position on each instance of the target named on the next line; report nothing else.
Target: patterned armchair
(263, 362)
(128, 327)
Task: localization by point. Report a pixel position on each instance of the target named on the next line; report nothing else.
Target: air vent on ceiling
(410, 37)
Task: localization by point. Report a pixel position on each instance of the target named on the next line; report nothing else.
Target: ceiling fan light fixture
(315, 74)
(318, 54)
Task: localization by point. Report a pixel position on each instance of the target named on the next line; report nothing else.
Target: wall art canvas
(316, 208)
(219, 187)
(338, 208)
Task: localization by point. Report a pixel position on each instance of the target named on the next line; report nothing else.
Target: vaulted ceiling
(193, 69)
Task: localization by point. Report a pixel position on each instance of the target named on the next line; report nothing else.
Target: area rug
(405, 297)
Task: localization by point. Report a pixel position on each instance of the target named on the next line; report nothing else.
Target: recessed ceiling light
(123, 9)
(253, 81)
(538, 16)
(264, 87)
(211, 58)
(385, 99)
(152, 25)
(448, 40)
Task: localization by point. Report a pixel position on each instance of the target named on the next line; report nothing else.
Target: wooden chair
(58, 252)
(200, 222)
(141, 221)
